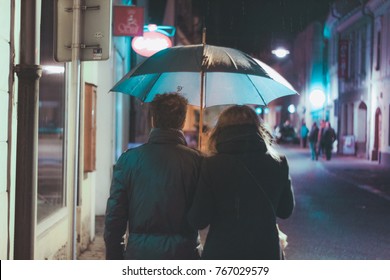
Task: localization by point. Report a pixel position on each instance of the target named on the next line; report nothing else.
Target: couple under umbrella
(238, 192)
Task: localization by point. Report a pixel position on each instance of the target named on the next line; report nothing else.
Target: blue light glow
(163, 29)
(317, 98)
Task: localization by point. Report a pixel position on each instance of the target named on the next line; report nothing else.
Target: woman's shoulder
(276, 158)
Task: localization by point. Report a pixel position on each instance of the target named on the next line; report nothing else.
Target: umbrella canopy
(206, 75)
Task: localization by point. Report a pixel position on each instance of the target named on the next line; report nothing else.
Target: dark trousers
(304, 142)
(328, 152)
(313, 150)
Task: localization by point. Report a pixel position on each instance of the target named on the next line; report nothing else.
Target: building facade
(342, 75)
(52, 179)
(358, 71)
(379, 114)
(350, 51)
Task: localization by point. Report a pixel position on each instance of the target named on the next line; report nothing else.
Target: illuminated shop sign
(155, 39)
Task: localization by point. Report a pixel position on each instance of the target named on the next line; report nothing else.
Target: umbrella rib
(151, 86)
(256, 89)
(231, 59)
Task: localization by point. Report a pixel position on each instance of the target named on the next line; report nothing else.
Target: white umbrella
(207, 76)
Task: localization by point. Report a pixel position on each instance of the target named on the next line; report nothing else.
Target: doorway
(361, 130)
(377, 135)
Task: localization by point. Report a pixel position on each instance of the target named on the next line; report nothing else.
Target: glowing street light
(281, 52)
(291, 109)
(317, 98)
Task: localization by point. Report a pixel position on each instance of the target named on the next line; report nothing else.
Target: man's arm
(116, 212)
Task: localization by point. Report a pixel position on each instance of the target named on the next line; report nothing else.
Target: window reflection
(51, 122)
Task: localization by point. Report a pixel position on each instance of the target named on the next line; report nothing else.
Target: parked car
(286, 134)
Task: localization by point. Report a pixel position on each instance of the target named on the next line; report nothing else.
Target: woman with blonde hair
(243, 187)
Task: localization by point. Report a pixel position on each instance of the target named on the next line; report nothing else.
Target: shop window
(51, 122)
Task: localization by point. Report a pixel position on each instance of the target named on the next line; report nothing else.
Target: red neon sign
(343, 58)
(128, 21)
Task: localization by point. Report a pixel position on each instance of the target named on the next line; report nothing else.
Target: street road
(333, 218)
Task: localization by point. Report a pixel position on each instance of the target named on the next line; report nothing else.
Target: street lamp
(317, 98)
(281, 52)
(291, 108)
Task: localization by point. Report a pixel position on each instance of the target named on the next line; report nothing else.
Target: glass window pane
(51, 122)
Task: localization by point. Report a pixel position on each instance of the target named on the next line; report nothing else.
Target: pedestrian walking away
(152, 189)
(304, 134)
(243, 187)
(320, 141)
(328, 138)
(313, 139)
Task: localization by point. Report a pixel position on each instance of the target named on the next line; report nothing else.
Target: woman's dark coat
(151, 192)
(242, 223)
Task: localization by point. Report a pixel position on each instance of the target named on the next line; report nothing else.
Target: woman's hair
(240, 115)
(169, 110)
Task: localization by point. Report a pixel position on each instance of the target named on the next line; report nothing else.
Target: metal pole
(133, 115)
(27, 135)
(201, 94)
(75, 90)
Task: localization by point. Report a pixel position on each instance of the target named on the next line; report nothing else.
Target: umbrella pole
(201, 95)
(201, 111)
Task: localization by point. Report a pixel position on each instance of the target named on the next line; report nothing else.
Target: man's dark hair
(169, 110)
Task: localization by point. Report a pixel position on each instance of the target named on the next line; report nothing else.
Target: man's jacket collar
(166, 136)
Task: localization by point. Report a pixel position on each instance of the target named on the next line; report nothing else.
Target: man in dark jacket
(152, 190)
(329, 136)
(313, 139)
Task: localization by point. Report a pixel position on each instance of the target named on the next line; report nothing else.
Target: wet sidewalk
(96, 249)
(364, 174)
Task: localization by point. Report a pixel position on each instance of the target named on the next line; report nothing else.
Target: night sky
(253, 25)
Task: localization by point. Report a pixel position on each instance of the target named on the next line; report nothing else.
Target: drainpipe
(370, 14)
(10, 114)
(27, 134)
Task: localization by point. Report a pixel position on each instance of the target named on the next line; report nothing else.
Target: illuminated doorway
(361, 129)
(378, 134)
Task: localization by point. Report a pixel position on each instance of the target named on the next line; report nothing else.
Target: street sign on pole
(128, 21)
(95, 30)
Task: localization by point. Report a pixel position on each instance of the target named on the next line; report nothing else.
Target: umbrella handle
(201, 111)
(201, 95)
(200, 129)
